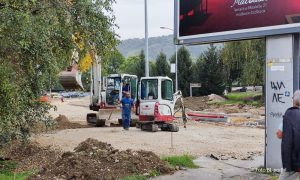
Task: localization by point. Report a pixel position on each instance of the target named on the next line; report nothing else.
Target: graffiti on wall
(276, 114)
(279, 92)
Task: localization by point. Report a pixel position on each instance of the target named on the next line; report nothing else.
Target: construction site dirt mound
(30, 156)
(92, 159)
(62, 122)
(197, 103)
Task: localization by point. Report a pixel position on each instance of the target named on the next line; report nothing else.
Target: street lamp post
(176, 67)
(146, 42)
(176, 60)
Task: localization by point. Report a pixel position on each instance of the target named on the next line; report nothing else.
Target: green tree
(243, 62)
(113, 64)
(253, 69)
(86, 80)
(153, 68)
(184, 70)
(232, 57)
(134, 65)
(140, 65)
(128, 66)
(208, 70)
(162, 65)
(36, 43)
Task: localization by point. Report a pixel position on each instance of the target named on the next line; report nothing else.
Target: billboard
(202, 21)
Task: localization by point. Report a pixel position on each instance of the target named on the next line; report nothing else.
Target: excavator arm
(179, 98)
(70, 79)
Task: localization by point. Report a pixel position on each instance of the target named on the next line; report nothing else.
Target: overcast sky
(130, 17)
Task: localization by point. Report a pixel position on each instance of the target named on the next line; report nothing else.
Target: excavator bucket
(71, 79)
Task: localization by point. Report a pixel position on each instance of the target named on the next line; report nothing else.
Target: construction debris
(207, 108)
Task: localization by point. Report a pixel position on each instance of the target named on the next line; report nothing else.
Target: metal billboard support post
(146, 41)
(176, 60)
(296, 65)
(282, 79)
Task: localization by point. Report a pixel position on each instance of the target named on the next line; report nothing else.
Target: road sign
(173, 68)
(195, 85)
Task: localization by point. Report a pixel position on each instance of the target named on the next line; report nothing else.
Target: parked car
(65, 95)
(243, 89)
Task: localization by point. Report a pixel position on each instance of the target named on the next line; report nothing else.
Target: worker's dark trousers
(126, 120)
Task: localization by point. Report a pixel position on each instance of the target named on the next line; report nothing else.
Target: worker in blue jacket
(127, 104)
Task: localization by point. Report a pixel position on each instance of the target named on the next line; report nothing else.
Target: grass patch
(242, 95)
(17, 176)
(154, 173)
(238, 102)
(250, 98)
(182, 161)
(7, 167)
(230, 102)
(273, 178)
(7, 171)
(134, 177)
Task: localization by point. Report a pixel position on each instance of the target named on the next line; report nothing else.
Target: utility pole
(176, 66)
(176, 60)
(146, 42)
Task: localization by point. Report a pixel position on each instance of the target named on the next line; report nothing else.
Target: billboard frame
(242, 34)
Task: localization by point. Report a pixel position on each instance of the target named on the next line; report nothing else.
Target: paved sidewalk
(220, 170)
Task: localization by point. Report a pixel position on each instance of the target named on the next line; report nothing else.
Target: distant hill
(156, 44)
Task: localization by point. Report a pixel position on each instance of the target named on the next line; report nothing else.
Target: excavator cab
(129, 84)
(157, 104)
(156, 99)
(117, 85)
(113, 88)
(109, 109)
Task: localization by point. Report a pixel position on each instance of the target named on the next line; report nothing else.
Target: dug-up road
(199, 139)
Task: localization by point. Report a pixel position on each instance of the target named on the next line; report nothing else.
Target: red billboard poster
(200, 17)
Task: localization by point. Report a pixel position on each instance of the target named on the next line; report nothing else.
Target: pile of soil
(29, 155)
(62, 123)
(92, 159)
(197, 103)
(59, 123)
